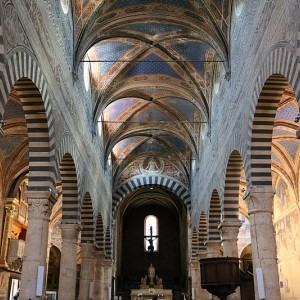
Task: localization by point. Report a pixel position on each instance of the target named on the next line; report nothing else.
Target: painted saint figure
(152, 165)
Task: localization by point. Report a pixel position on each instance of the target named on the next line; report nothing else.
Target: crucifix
(151, 238)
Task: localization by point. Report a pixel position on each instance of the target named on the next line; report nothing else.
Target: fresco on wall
(287, 228)
(244, 238)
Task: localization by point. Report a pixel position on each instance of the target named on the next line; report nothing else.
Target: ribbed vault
(151, 67)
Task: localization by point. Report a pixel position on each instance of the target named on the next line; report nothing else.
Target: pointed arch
(202, 232)
(194, 243)
(108, 243)
(214, 217)
(230, 207)
(87, 220)
(67, 145)
(171, 184)
(70, 203)
(99, 235)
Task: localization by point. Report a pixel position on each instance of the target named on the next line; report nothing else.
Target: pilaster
(260, 206)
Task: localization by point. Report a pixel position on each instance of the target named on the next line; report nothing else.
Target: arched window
(151, 233)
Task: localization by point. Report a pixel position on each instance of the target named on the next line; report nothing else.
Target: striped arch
(214, 217)
(194, 243)
(269, 87)
(22, 73)
(108, 243)
(262, 130)
(67, 145)
(202, 232)
(175, 186)
(70, 202)
(87, 220)
(230, 207)
(99, 235)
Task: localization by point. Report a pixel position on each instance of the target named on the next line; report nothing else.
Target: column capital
(213, 248)
(260, 199)
(88, 250)
(10, 206)
(69, 232)
(229, 229)
(39, 204)
(39, 195)
(12, 201)
(194, 263)
(107, 263)
(99, 255)
(201, 254)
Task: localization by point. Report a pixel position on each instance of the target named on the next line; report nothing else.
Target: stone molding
(69, 232)
(201, 254)
(39, 204)
(229, 230)
(10, 206)
(87, 250)
(213, 248)
(107, 263)
(260, 200)
(9, 210)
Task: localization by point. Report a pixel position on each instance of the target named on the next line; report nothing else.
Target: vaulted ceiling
(152, 65)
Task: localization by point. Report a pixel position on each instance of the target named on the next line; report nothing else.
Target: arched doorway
(53, 270)
(246, 267)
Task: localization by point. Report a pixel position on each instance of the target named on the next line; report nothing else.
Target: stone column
(229, 232)
(213, 248)
(201, 293)
(98, 276)
(87, 269)
(195, 275)
(35, 253)
(107, 278)
(68, 263)
(260, 207)
(10, 208)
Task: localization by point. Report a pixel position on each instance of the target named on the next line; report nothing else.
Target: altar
(148, 294)
(151, 286)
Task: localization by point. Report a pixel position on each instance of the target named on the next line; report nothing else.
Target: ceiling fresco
(152, 65)
(14, 150)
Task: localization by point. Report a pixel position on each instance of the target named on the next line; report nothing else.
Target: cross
(150, 238)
